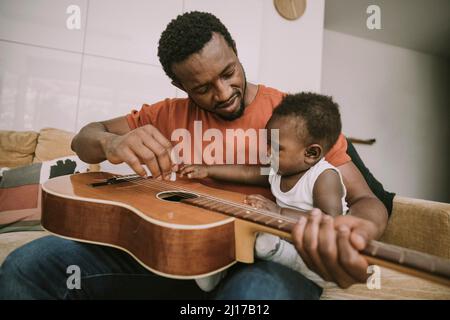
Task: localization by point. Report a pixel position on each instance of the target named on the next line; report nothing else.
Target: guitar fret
(375, 250)
(200, 200)
(280, 226)
(241, 213)
(258, 218)
(268, 222)
(247, 214)
(236, 212)
(214, 205)
(402, 257)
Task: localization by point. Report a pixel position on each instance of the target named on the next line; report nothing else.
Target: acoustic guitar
(185, 229)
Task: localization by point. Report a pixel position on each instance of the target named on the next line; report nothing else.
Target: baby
(309, 125)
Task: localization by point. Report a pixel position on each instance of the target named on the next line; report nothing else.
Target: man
(199, 55)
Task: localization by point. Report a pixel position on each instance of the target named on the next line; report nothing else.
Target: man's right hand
(144, 145)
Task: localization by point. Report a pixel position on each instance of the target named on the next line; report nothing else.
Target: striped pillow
(20, 192)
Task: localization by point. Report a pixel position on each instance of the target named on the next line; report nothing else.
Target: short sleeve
(147, 114)
(337, 155)
(140, 118)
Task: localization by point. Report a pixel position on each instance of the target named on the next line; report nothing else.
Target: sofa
(415, 224)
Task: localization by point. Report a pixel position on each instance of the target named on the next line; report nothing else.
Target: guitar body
(184, 229)
(170, 238)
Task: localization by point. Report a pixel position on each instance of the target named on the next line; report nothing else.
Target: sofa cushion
(20, 191)
(393, 285)
(53, 143)
(420, 225)
(17, 148)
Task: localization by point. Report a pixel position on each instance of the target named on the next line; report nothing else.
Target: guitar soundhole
(175, 196)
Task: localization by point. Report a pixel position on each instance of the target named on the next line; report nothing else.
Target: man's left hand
(330, 246)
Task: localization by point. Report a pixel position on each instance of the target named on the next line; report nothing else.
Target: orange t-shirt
(172, 114)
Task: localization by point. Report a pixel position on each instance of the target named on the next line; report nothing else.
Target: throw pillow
(20, 191)
(53, 143)
(17, 148)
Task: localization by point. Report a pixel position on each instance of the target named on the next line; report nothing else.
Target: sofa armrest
(420, 225)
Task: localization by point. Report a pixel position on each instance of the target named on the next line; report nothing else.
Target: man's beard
(240, 111)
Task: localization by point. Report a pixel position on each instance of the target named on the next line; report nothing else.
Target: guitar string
(220, 200)
(157, 185)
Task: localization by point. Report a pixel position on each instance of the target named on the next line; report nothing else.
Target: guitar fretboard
(244, 212)
(405, 257)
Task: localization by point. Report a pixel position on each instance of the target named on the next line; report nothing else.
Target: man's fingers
(134, 163)
(167, 146)
(311, 243)
(359, 236)
(149, 159)
(329, 253)
(297, 235)
(160, 154)
(349, 258)
(358, 241)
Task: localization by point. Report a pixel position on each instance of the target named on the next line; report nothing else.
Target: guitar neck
(408, 261)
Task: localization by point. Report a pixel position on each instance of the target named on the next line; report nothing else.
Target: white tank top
(301, 195)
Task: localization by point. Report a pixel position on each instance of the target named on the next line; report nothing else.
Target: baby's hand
(194, 171)
(260, 202)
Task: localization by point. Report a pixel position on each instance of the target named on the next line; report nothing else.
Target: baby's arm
(247, 174)
(328, 193)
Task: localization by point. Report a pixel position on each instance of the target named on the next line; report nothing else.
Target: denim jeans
(38, 270)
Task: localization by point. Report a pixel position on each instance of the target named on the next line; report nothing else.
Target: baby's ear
(313, 153)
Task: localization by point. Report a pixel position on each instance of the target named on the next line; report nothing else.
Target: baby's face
(291, 151)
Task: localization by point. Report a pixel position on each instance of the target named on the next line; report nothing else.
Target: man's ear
(312, 153)
(178, 85)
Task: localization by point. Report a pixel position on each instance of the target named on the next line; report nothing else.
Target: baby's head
(309, 125)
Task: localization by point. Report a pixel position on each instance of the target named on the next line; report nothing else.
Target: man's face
(214, 79)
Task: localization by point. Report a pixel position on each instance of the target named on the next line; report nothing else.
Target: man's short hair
(187, 34)
(319, 114)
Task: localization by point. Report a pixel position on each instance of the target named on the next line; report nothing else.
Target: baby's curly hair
(316, 113)
(187, 34)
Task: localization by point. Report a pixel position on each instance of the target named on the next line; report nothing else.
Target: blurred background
(392, 84)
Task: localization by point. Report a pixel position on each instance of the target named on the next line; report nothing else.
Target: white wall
(53, 76)
(401, 98)
(291, 51)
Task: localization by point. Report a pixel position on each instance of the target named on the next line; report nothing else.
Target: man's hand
(194, 171)
(261, 202)
(144, 145)
(330, 246)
